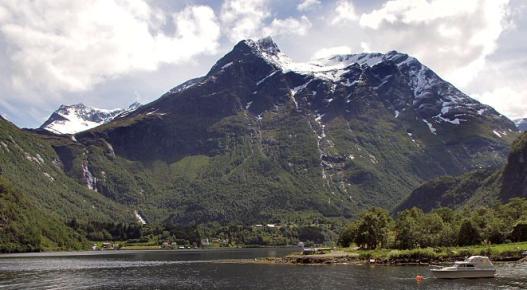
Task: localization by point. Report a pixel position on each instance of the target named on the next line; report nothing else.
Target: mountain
(521, 124)
(77, 118)
(477, 187)
(37, 197)
(258, 139)
(261, 137)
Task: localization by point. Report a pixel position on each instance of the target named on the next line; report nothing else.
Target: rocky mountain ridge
(71, 119)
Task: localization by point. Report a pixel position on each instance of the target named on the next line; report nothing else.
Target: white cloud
(307, 5)
(288, 26)
(417, 11)
(365, 47)
(243, 19)
(344, 12)
(331, 51)
(453, 37)
(102, 51)
(510, 101)
(502, 85)
(67, 46)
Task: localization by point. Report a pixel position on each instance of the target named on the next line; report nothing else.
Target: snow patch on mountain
(186, 85)
(423, 82)
(77, 118)
(430, 126)
(329, 69)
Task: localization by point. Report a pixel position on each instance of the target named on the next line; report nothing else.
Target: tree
(495, 231)
(468, 234)
(514, 210)
(407, 228)
(348, 235)
(313, 234)
(372, 229)
(431, 229)
(415, 229)
(448, 236)
(519, 232)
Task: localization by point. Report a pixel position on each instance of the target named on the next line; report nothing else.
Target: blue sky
(110, 53)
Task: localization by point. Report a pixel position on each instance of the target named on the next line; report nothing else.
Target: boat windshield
(466, 265)
(480, 261)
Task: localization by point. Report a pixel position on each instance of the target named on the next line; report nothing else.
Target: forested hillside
(480, 187)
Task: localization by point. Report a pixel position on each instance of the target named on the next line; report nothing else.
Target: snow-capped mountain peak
(437, 99)
(330, 68)
(71, 119)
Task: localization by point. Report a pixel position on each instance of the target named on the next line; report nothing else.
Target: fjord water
(216, 269)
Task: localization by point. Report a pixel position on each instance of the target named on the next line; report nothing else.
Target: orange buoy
(419, 278)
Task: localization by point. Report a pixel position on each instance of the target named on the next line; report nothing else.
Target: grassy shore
(502, 252)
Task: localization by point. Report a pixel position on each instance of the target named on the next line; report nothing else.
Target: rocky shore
(339, 257)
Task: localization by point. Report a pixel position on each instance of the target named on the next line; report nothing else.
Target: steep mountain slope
(34, 186)
(24, 227)
(521, 124)
(477, 187)
(77, 118)
(514, 176)
(261, 138)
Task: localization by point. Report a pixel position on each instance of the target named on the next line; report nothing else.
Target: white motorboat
(473, 267)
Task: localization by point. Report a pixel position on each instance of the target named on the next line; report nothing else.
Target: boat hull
(459, 274)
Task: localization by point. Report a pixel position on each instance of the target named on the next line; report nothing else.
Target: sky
(111, 53)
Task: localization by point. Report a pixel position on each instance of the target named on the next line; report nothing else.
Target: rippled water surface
(204, 269)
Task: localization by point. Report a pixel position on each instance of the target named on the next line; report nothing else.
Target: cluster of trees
(262, 235)
(413, 228)
(107, 231)
(134, 232)
(230, 235)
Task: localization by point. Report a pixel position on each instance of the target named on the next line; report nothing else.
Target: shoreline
(300, 260)
(337, 257)
(350, 259)
(512, 252)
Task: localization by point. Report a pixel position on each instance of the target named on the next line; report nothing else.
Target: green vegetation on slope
(38, 198)
(29, 162)
(479, 187)
(26, 228)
